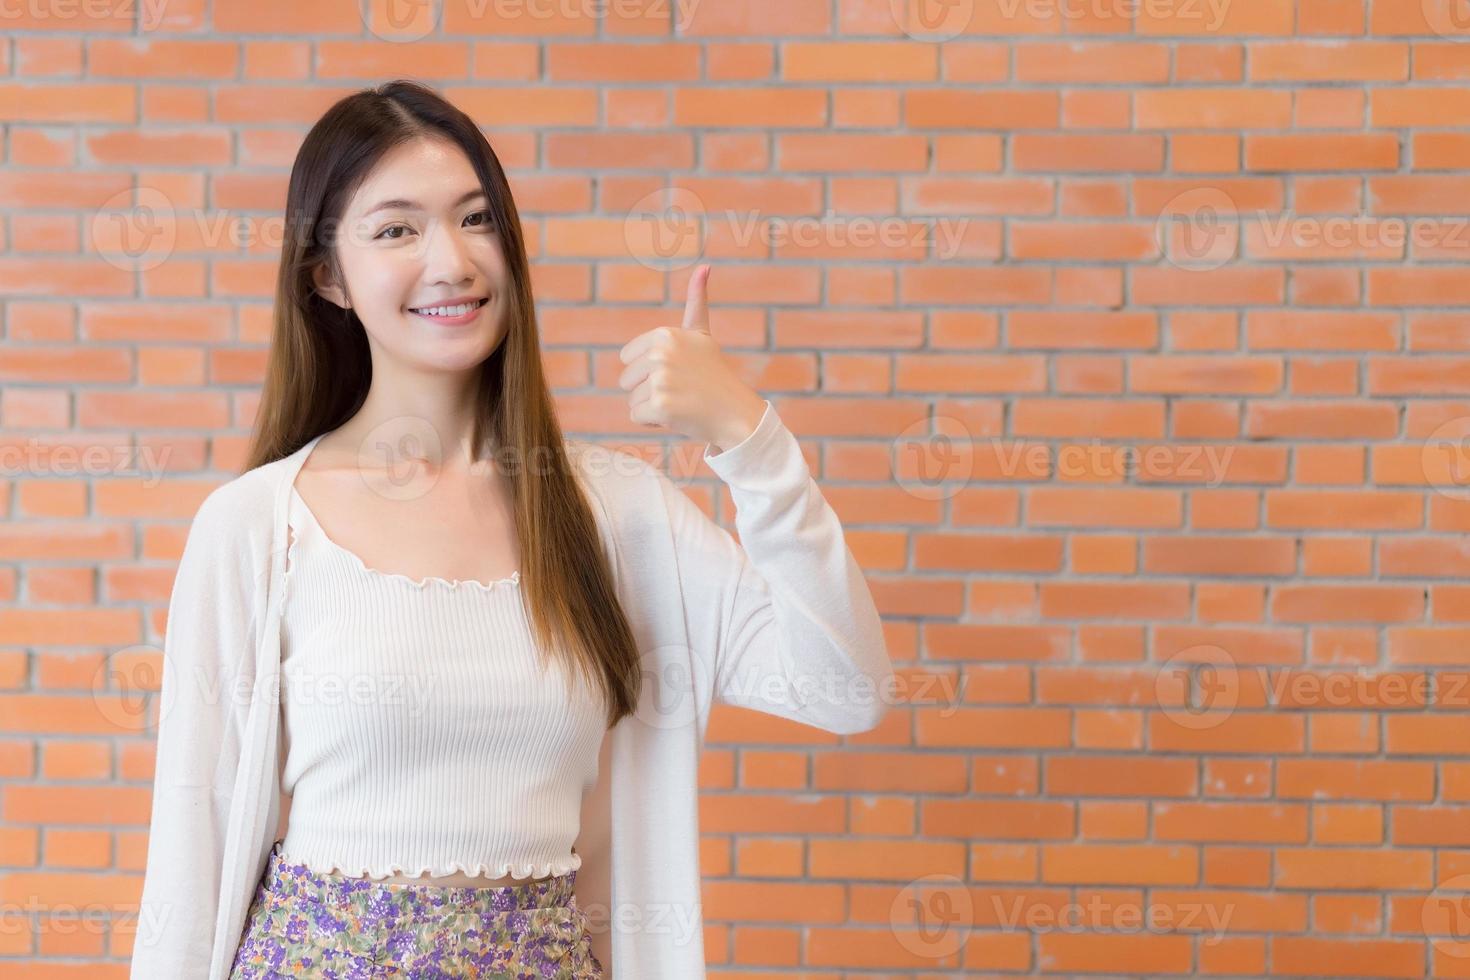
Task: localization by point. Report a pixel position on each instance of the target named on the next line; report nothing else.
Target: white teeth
(459, 310)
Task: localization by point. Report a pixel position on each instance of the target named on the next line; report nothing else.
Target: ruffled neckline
(510, 581)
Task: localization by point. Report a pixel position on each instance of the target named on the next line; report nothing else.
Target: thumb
(696, 307)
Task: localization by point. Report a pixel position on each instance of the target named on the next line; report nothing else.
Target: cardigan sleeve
(783, 617)
(209, 645)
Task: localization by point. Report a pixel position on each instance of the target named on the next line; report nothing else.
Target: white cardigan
(781, 622)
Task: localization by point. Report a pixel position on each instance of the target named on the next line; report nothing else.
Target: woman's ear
(327, 286)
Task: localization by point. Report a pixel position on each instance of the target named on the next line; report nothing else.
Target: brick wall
(1127, 337)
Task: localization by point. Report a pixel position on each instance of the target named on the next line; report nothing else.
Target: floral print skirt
(302, 924)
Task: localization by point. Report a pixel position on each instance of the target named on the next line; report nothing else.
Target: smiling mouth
(449, 311)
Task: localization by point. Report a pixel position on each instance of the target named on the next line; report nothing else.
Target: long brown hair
(320, 367)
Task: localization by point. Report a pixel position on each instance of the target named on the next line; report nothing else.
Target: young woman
(478, 657)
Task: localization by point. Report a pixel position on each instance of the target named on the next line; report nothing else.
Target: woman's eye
(478, 214)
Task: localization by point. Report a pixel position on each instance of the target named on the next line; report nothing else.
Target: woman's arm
(786, 625)
(784, 617)
(593, 888)
(209, 643)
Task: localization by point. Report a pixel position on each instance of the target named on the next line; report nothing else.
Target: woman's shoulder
(238, 515)
(608, 469)
(624, 486)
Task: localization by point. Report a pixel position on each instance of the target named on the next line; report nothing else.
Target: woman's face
(416, 238)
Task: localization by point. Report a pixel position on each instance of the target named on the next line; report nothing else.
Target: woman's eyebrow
(407, 205)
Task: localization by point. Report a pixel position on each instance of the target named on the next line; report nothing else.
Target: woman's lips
(453, 321)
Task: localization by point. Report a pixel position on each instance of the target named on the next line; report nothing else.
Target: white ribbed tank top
(422, 732)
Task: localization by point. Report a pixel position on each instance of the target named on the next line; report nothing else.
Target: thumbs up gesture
(679, 378)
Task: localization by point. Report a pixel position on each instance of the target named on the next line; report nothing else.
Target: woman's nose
(446, 254)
